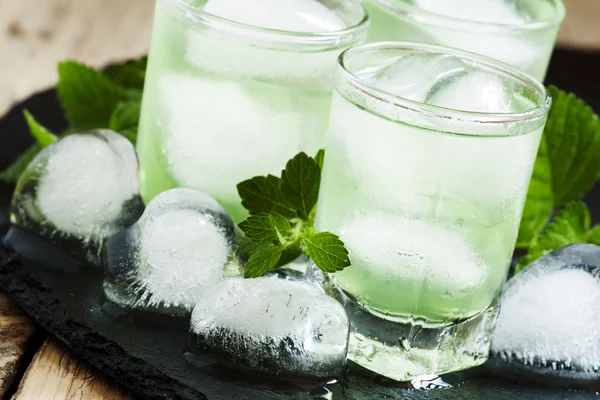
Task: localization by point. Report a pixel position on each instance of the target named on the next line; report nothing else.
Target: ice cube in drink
(519, 33)
(236, 88)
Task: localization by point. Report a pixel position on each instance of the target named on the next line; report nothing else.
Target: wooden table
(34, 36)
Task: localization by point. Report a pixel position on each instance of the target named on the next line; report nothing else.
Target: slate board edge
(107, 356)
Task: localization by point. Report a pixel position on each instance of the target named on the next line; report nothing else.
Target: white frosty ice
(277, 326)
(259, 131)
(549, 312)
(288, 15)
(399, 248)
(173, 254)
(491, 11)
(86, 181)
(84, 186)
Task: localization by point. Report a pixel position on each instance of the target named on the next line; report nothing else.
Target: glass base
(407, 351)
(412, 350)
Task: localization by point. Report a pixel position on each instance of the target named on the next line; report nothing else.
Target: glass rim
(336, 38)
(420, 15)
(474, 117)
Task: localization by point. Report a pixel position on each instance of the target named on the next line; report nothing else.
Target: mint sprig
(569, 226)
(43, 137)
(281, 225)
(567, 164)
(91, 99)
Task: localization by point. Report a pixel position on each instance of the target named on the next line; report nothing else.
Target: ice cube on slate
(167, 260)
(280, 327)
(288, 15)
(549, 322)
(78, 191)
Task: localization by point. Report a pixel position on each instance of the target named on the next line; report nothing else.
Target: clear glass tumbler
(427, 198)
(520, 33)
(225, 101)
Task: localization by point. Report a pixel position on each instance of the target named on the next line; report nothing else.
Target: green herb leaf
(300, 183)
(319, 158)
(289, 254)
(540, 200)
(88, 97)
(327, 251)
(130, 74)
(263, 194)
(568, 161)
(42, 135)
(593, 235)
(14, 171)
(125, 119)
(263, 228)
(262, 261)
(569, 226)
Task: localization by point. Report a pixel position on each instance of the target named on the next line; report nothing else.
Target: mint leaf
(262, 261)
(593, 235)
(246, 247)
(263, 194)
(289, 254)
(43, 138)
(125, 119)
(327, 251)
(568, 161)
(87, 96)
(42, 135)
(130, 74)
(539, 203)
(14, 171)
(266, 228)
(569, 226)
(300, 183)
(319, 158)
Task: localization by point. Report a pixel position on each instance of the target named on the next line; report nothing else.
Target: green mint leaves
(567, 164)
(281, 222)
(569, 226)
(91, 100)
(43, 137)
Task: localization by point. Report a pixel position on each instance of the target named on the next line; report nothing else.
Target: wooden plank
(36, 34)
(55, 373)
(581, 29)
(16, 332)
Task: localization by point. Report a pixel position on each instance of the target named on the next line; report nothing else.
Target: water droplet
(404, 343)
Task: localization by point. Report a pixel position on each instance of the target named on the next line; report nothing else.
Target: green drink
(428, 159)
(226, 101)
(520, 33)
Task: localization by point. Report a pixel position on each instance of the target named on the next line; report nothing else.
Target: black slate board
(151, 361)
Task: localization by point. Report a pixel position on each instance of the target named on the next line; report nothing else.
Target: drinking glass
(519, 33)
(427, 200)
(225, 101)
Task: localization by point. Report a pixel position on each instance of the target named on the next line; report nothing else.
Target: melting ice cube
(168, 259)
(79, 191)
(280, 327)
(549, 322)
(288, 15)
